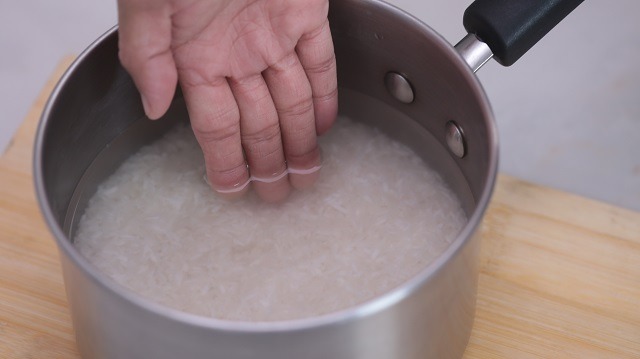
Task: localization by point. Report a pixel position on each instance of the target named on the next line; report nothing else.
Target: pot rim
(367, 308)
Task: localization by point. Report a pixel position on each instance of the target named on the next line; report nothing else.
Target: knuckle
(218, 133)
(287, 62)
(233, 172)
(331, 95)
(264, 152)
(229, 177)
(193, 77)
(297, 109)
(267, 137)
(326, 65)
(306, 158)
(253, 89)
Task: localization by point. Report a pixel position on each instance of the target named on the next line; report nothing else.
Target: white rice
(376, 217)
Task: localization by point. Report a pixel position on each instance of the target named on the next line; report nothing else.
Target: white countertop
(568, 112)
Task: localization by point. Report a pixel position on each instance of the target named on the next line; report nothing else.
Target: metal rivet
(399, 87)
(455, 139)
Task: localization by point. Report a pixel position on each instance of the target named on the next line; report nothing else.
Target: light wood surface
(560, 275)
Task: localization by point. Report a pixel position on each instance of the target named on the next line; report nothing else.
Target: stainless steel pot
(395, 73)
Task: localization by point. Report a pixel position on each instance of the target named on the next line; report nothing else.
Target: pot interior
(95, 118)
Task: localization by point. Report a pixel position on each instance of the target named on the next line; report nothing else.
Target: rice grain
(377, 216)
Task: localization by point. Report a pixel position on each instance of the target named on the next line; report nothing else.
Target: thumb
(145, 51)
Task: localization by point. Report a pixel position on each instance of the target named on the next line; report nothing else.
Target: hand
(258, 76)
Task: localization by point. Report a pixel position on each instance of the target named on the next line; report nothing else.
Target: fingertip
(149, 111)
(156, 81)
(326, 113)
(157, 87)
(156, 106)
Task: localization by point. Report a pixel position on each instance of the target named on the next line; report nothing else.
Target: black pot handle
(511, 27)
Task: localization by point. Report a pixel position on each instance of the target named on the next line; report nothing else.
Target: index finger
(215, 120)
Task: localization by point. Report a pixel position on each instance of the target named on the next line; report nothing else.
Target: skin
(258, 76)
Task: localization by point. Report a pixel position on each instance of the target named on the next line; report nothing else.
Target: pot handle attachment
(507, 29)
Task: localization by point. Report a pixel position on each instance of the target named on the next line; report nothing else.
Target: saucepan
(396, 74)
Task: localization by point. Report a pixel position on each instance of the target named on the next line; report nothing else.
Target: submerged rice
(376, 217)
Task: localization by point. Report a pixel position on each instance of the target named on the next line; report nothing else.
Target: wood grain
(560, 274)
(34, 318)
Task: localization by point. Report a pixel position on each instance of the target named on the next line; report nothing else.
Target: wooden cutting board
(560, 275)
